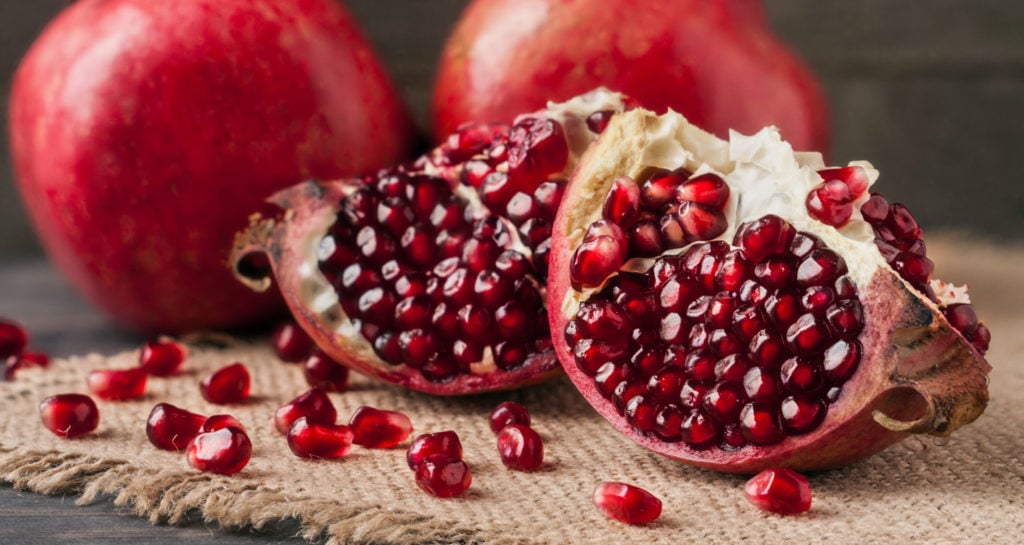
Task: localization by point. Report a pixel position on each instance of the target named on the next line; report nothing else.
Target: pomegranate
(716, 62)
(779, 490)
(724, 304)
(627, 503)
(130, 116)
(431, 275)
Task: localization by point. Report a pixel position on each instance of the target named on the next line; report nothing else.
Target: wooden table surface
(60, 323)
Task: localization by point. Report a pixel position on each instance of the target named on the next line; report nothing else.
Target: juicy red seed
(981, 338)
(800, 375)
(778, 490)
(520, 208)
(766, 349)
(376, 428)
(626, 391)
(733, 272)
(590, 355)
(801, 414)
(700, 222)
(172, 428)
(609, 376)
(471, 140)
(659, 186)
(229, 384)
(875, 209)
(626, 503)
(69, 415)
(225, 451)
(698, 430)
(902, 223)
(641, 412)
(322, 372)
(700, 364)
(962, 317)
(162, 358)
(746, 322)
(219, 421)
(764, 237)
(783, 308)
(840, 360)
(602, 320)
(117, 384)
(846, 318)
(548, 195)
(314, 405)
(666, 385)
(732, 368)
(668, 424)
(817, 299)
(597, 121)
(445, 443)
(520, 448)
(760, 425)
(15, 363)
(645, 239)
(692, 393)
(311, 440)
(506, 414)
(724, 401)
(622, 204)
(803, 243)
(761, 384)
(775, 272)
(913, 267)
(706, 189)
(821, 267)
(831, 202)
(13, 339)
(442, 476)
(419, 245)
(808, 335)
(537, 149)
(595, 260)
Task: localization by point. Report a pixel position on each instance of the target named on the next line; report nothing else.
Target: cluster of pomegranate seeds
(172, 428)
(831, 201)
(290, 343)
(659, 211)
(725, 346)
(519, 446)
(13, 353)
(117, 384)
(899, 239)
(229, 384)
(377, 428)
(315, 406)
(224, 450)
(428, 444)
(324, 373)
(69, 415)
(779, 490)
(308, 439)
(162, 357)
(627, 503)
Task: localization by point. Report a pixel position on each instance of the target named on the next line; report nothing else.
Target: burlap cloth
(968, 489)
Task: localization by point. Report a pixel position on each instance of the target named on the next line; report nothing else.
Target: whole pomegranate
(145, 133)
(431, 275)
(739, 306)
(715, 61)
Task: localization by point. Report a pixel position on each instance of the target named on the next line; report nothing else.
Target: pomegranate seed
(444, 443)
(962, 317)
(597, 121)
(13, 339)
(311, 440)
(14, 363)
(875, 210)
(596, 259)
(291, 343)
(442, 476)
(172, 428)
(313, 405)
(764, 237)
(225, 451)
(801, 414)
(162, 358)
(520, 447)
(376, 428)
(219, 421)
(548, 195)
(902, 223)
(697, 430)
(700, 222)
(831, 203)
(537, 149)
(229, 384)
(840, 360)
(69, 415)
(622, 204)
(117, 385)
(759, 424)
(779, 490)
(627, 503)
(508, 413)
(912, 267)
(707, 189)
(323, 373)
(660, 185)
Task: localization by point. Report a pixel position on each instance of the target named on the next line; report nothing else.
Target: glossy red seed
(443, 476)
(875, 210)
(801, 414)
(764, 237)
(596, 259)
(724, 401)
(508, 413)
(314, 405)
(597, 121)
(172, 428)
(117, 384)
(229, 384)
(291, 343)
(311, 440)
(698, 430)
(778, 490)
(537, 149)
(323, 373)
(622, 204)
(760, 425)
(225, 451)
(376, 428)
(220, 421)
(13, 339)
(707, 189)
(831, 203)
(840, 360)
(820, 267)
(163, 357)
(69, 415)
(627, 503)
(913, 267)
(520, 448)
(445, 443)
(700, 222)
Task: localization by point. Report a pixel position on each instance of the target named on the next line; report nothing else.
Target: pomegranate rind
(917, 375)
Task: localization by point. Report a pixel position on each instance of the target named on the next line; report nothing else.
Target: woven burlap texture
(967, 489)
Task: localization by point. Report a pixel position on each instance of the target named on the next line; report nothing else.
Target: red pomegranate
(144, 133)
(715, 61)
(431, 275)
(738, 306)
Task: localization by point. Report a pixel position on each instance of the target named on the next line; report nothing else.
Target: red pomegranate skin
(145, 133)
(714, 61)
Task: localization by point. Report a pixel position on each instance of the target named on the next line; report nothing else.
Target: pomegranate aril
(807, 335)
(548, 195)
(117, 384)
(706, 189)
(443, 476)
(172, 428)
(912, 267)
(642, 412)
(225, 451)
(875, 209)
(69, 415)
(659, 186)
(840, 360)
(831, 202)
(162, 358)
(698, 430)
(700, 222)
(800, 374)
(779, 490)
(609, 376)
(508, 413)
(764, 237)
(229, 384)
(821, 267)
(761, 384)
(962, 317)
(846, 318)
(622, 205)
(314, 405)
(537, 149)
(759, 424)
(381, 429)
(901, 222)
(597, 121)
(520, 447)
(219, 421)
(13, 339)
(724, 401)
(312, 440)
(627, 503)
(323, 373)
(801, 414)
(444, 443)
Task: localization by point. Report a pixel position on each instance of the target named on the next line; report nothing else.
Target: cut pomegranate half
(431, 275)
(728, 305)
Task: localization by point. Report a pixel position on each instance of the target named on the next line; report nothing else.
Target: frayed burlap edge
(170, 496)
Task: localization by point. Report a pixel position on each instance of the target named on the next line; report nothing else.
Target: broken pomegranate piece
(738, 306)
(431, 275)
